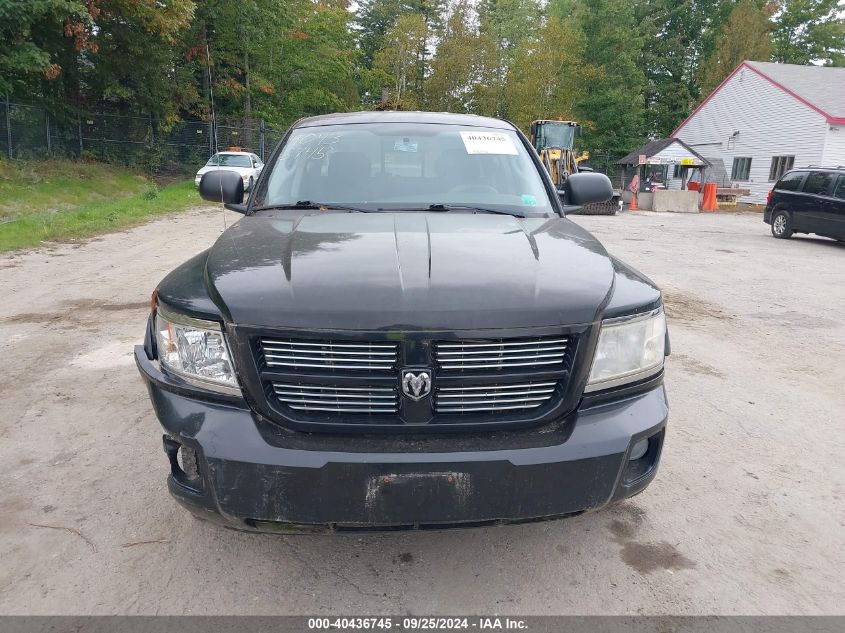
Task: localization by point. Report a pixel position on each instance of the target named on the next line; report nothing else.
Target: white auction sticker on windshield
(488, 143)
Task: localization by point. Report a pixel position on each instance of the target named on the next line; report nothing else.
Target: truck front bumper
(252, 475)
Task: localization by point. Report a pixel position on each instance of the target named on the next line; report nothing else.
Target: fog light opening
(642, 458)
(639, 450)
(184, 463)
(187, 460)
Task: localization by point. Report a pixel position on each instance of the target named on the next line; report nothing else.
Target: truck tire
(782, 224)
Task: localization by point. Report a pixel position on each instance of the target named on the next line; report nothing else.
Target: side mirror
(223, 186)
(585, 188)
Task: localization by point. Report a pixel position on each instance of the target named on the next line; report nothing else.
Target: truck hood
(449, 271)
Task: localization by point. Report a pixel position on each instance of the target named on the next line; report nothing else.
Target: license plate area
(417, 494)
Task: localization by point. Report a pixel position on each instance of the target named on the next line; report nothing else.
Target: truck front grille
(497, 355)
(332, 355)
(506, 397)
(355, 380)
(335, 399)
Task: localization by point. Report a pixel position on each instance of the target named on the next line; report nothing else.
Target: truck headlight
(195, 350)
(629, 349)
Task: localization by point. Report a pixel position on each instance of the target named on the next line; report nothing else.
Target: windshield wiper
(317, 206)
(472, 207)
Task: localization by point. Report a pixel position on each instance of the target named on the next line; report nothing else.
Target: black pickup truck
(404, 331)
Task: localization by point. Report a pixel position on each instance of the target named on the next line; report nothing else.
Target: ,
(247, 165)
(404, 331)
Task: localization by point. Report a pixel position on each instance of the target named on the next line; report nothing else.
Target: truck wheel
(782, 225)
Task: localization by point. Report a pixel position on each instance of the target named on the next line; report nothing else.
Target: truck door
(836, 206)
(817, 201)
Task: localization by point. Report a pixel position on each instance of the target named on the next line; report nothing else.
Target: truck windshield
(395, 166)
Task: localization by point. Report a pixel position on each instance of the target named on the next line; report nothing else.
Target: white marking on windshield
(488, 143)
